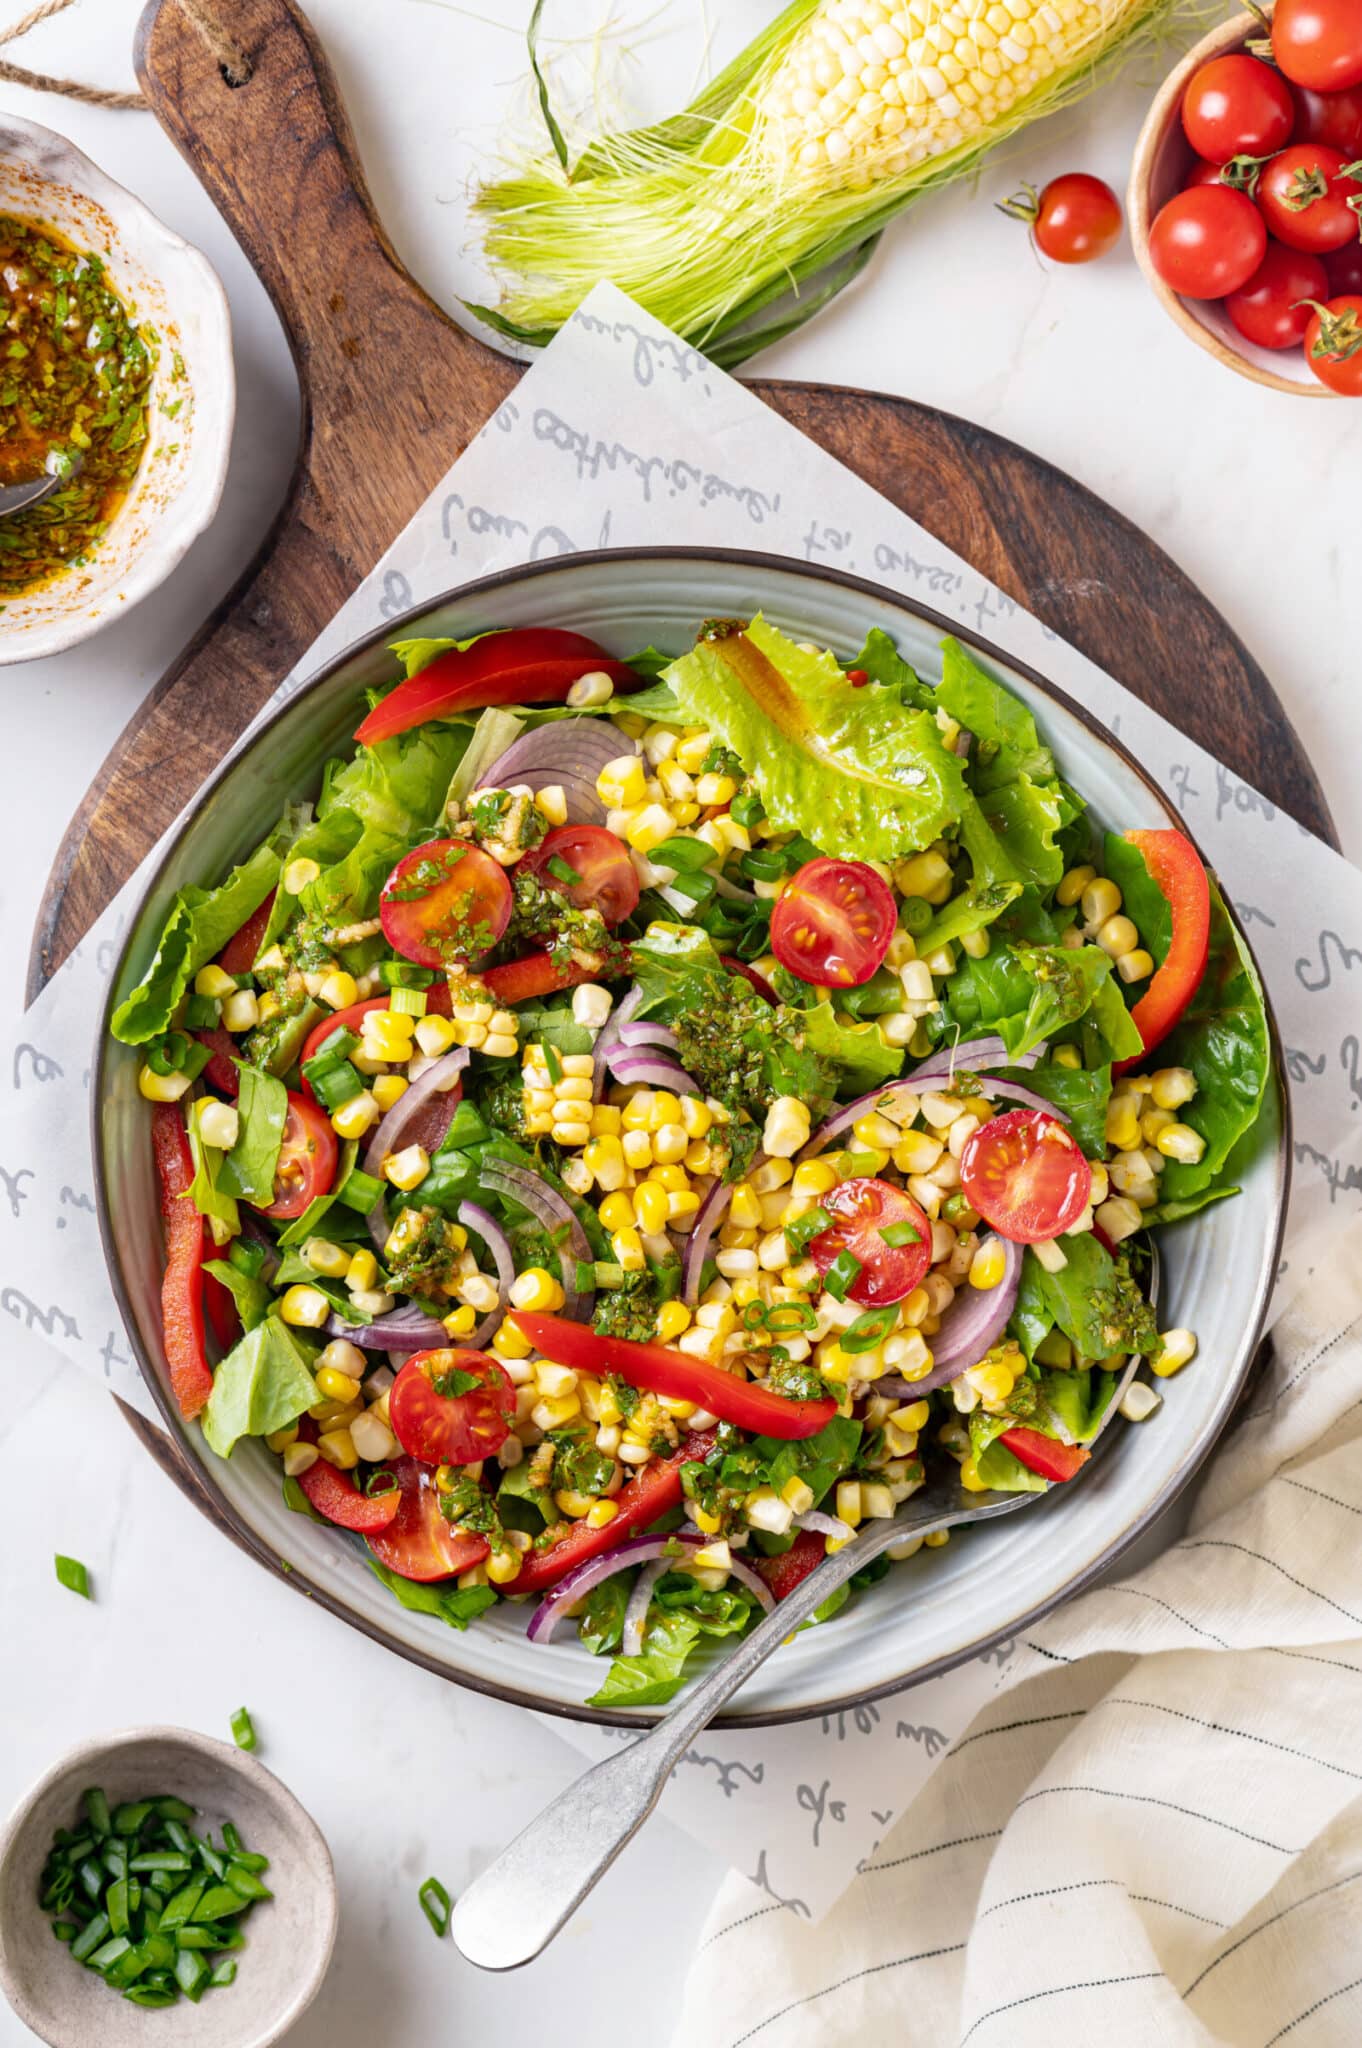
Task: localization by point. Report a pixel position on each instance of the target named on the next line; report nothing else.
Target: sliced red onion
(708, 1218)
(568, 753)
(609, 1034)
(406, 1329)
(643, 1031)
(964, 740)
(974, 1322)
(475, 1218)
(420, 1116)
(637, 1066)
(1014, 1092)
(826, 1525)
(556, 1213)
(640, 1600)
(554, 1607)
(972, 1055)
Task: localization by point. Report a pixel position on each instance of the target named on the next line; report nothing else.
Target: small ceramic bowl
(1163, 157)
(289, 1938)
(174, 290)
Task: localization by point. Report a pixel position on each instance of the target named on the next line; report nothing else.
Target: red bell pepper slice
(1045, 1455)
(1175, 866)
(438, 1004)
(238, 955)
(520, 981)
(528, 665)
(657, 1369)
(223, 1319)
(640, 1503)
(791, 1567)
(336, 1497)
(220, 1072)
(191, 1381)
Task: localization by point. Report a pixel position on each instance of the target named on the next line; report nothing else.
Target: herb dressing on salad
(641, 1111)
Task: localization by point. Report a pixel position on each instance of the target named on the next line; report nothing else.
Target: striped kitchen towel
(1154, 1839)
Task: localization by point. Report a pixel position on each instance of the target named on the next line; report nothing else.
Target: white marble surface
(1247, 491)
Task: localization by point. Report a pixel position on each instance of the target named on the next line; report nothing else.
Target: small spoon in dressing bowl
(19, 497)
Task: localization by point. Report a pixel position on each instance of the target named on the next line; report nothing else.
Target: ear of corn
(781, 175)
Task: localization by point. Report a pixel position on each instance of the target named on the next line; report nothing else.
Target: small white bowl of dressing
(62, 581)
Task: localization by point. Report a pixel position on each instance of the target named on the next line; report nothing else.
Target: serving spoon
(19, 497)
(509, 1914)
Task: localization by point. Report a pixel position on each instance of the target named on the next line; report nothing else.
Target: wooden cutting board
(393, 389)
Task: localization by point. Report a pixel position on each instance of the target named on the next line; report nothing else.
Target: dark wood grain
(393, 390)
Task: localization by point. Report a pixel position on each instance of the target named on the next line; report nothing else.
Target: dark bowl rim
(761, 563)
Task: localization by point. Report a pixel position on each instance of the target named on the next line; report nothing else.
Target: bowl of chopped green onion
(158, 1868)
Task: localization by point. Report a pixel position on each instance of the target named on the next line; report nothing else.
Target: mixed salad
(642, 1110)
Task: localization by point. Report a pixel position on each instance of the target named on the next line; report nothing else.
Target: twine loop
(232, 60)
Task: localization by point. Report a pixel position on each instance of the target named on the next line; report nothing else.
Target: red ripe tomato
(1201, 173)
(1267, 310)
(1318, 43)
(1304, 196)
(445, 903)
(1026, 1176)
(862, 1211)
(1343, 268)
(419, 1543)
(588, 865)
(451, 1407)
(240, 950)
(791, 1567)
(1077, 217)
(834, 922)
(1237, 106)
(307, 1159)
(1207, 241)
(1333, 345)
(1331, 117)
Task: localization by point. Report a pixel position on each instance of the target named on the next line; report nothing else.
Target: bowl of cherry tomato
(1245, 197)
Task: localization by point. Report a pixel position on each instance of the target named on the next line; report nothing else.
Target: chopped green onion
(898, 1234)
(915, 914)
(97, 1810)
(201, 1013)
(436, 1904)
(869, 1331)
(684, 856)
(225, 1973)
(362, 1192)
(335, 1084)
(72, 1574)
(694, 888)
(604, 1273)
(408, 1002)
(764, 865)
(563, 871)
(243, 1728)
(842, 1275)
(747, 808)
(404, 974)
(89, 1940)
(380, 1481)
(553, 1063)
(784, 1318)
(801, 1233)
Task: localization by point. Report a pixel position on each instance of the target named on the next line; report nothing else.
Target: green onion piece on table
(72, 1574)
(436, 1904)
(243, 1729)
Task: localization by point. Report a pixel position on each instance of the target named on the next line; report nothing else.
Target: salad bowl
(939, 1608)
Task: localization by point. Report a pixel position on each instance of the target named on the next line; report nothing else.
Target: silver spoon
(19, 497)
(509, 1914)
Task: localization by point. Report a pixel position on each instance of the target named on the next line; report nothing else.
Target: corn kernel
(938, 1539)
(638, 1149)
(435, 1035)
(508, 1343)
(622, 783)
(161, 1087)
(299, 1458)
(279, 1440)
(672, 1318)
(627, 1247)
(617, 1211)
(697, 1118)
(536, 1288)
(339, 991)
(1073, 884)
(988, 1265)
(1178, 1349)
(337, 1447)
(1117, 936)
(1171, 1087)
(849, 1501)
(389, 1089)
(1123, 1121)
(356, 1116)
(1100, 900)
(650, 1207)
(1181, 1142)
(408, 1168)
(1137, 965)
(307, 1308)
(461, 1321)
(600, 1513)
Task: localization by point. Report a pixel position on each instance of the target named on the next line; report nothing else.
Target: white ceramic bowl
(289, 1938)
(939, 1608)
(169, 285)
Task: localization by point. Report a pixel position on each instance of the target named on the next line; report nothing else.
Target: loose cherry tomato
(238, 955)
(834, 922)
(588, 865)
(445, 903)
(1332, 117)
(1075, 217)
(1207, 241)
(1201, 173)
(791, 1567)
(1026, 1176)
(1304, 196)
(1237, 106)
(1175, 866)
(419, 1543)
(862, 1211)
(1045, 1454)
(1267, 310)
(1318, 43)
(528, 665)
(437, 1416)
(1333, 345)
(1344, 270)
(335, 1495)
(307, 1158)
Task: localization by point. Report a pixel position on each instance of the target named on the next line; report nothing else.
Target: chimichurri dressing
(75, 374)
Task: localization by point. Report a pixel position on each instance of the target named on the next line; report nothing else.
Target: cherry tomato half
(1077, 218)
(1303, 196)
(1318, 43)
(1333, 345)
(789, 1568)
(1237, 106)
(1267, 310)
(307, 1159)
(445, 903)
(1207, 241)
(1343, 268)
(451, 1407)
(834, 922)
(419, 1543)
(588, 865)
(862, 1210)
(1026, 1176)
(1332, 117)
